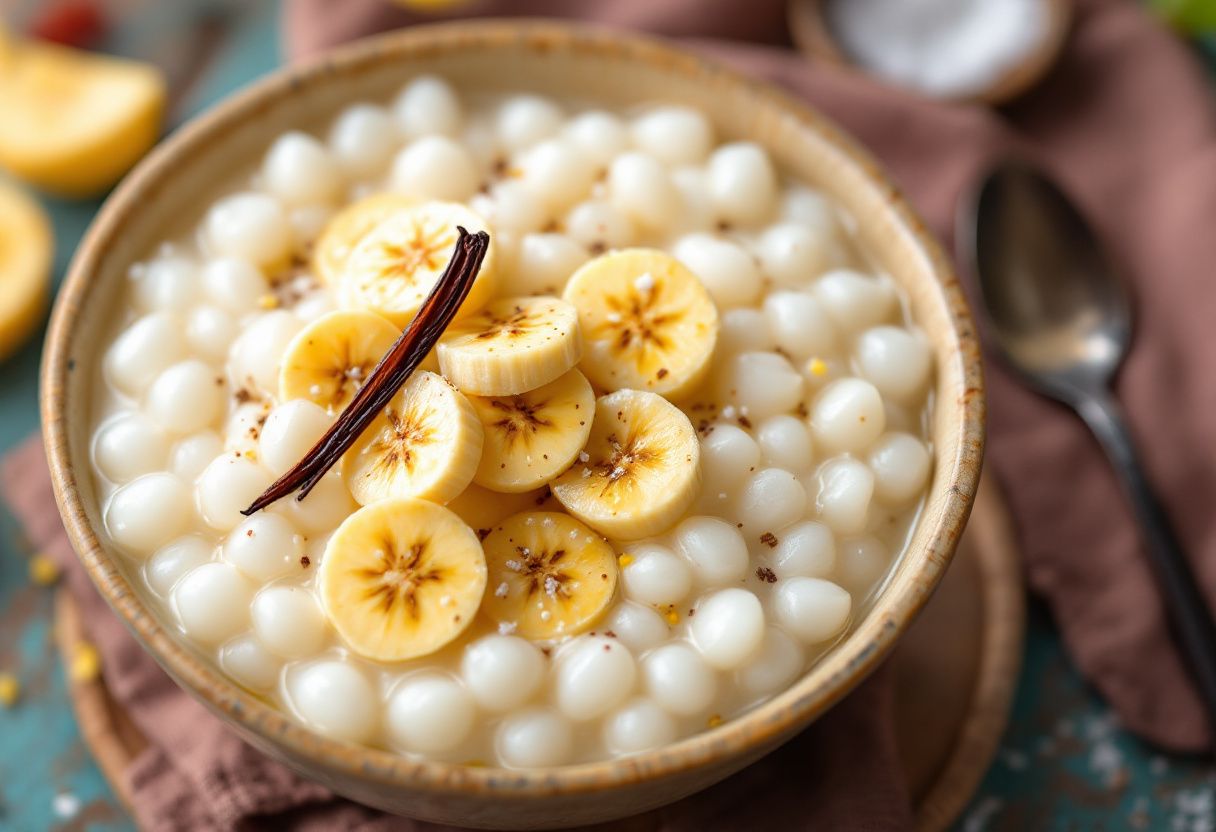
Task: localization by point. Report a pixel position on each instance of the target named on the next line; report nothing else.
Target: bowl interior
(574, 64)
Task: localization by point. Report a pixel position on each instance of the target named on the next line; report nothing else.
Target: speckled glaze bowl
(566, 62)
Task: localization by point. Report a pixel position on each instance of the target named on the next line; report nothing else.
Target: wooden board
(956, 671)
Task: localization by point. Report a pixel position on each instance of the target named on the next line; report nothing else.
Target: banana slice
(26, 248)
(647, 322)
(75, 121)
(329, 359)
(512, 346)
(643, 467)
(426, 443)
(533, 437)
(396, 264)
(483, 509)
(402, 578)
(550, 575)
(350, 225)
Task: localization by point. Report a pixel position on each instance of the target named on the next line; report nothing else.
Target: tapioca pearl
(813, 610)
(846, 487)
(167, 283)
(256, 354)
(674, 135)
(250, 664)
(640, 187)
(638, 725)
(862, 562)
(525, 120)
(806, 549)
(897, 361)
(728, 456)
(793, 255)
(307, 223)
(810, 208)
(744, 330)
(325, 507)
(173, 560)
(428, 105)
(535, 738)
(288, 621)
(679, 680)
(210, 331)
(774, 666)
(900, 463)
(785, 441)
(771, 499)
(854, 300)
(148, 511)
(143, 350)
(298, 169)
(697, 211)
(502, 672)
(848, 415)
(234, 284)
(265, 546)
(186, 397)
(742, 183)
(728, 627)
(598, 135)
(510, 206)
(227, 486)
(594, 677)
(191, 456)
(336, 699)
(290, 431)
(728, 272)
(313, 306)
(557, 173)
(429, 713)
(636, 626)
(482, 141)
(244, 427)
(545, 264)
(250, 226)
(763, 382)
(434, 167)
(598, 225)
(129, 445)
(363, 139)
(800, 325)
(212, 602)
(715, 549)
(655, 575)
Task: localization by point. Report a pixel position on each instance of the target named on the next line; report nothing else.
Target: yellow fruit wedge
(74, 122)
(26, 249)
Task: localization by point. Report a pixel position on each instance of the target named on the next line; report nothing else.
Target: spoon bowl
(1057, 307)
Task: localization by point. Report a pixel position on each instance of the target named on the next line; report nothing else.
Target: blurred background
(86, 88)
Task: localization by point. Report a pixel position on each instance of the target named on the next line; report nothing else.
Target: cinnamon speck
(767, 575)
(662, 373)
(769, 539)
(482, 534)
(305, 561)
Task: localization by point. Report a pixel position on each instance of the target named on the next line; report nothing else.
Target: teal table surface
(1064, 762)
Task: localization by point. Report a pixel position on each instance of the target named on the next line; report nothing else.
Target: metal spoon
(1061, 316)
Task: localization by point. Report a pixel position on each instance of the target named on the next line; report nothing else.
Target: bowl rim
(758, 728)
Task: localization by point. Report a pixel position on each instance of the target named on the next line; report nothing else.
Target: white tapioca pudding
(672, 442)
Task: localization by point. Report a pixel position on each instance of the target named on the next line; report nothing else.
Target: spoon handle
(1190, 615)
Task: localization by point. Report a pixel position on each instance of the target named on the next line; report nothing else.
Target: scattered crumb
(43, 570)
(769, 539)
(86, 663)
(767, 575)
(10, 690)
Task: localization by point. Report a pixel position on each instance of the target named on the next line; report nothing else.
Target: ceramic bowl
(567, 62)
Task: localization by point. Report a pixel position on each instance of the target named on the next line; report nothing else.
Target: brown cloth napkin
(1126, 120)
